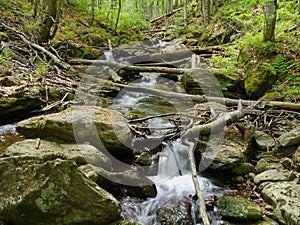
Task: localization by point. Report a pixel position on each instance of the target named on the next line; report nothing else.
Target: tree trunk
(52, 15)
(118, 17)
(185, 13)
(270, 20)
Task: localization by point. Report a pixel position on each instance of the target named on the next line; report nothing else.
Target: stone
(269, 175)
(285, 197)
(53, 192)
(237, 208)
(48, 150)
(286, 162)
(105, 129)
(290, 138)
(122, 183)
(296, 160)
(264, 140)
(242, 169)
(267, 221)
(263, 165)
(19, 104)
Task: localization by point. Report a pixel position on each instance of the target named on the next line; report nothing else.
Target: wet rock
(48, 150)
(269, 175)
(172, 215)
(290, 138)
(121, 184)
(103, 128)
(264, 140)
(236, 208)
(296, 160)
(285, 197)
(52, 192)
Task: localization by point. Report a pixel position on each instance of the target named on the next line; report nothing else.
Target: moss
(243, 169)
(49, 197)
(272, 96)
(239, 209)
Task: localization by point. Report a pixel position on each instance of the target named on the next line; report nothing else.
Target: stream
(175, 188)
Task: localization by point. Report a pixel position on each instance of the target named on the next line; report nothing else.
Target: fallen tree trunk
(121, 66)
(226, 101)
(166, 15)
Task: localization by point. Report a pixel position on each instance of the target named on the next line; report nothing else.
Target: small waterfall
(173, 190)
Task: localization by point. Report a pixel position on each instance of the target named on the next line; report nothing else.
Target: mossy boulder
(296, 160)
(50, 193)
(105, 129)
(270, 175)
(237, 208)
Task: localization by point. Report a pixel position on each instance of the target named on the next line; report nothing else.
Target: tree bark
(118, 16)
(270, 20)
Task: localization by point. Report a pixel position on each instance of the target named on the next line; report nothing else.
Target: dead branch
(121, 66)
(166, 15)
(25, 39)
(294, 27)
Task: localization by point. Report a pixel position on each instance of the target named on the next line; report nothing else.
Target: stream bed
(175, 201)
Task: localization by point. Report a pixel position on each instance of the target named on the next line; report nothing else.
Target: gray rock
(48, 150)
(270, 175)
(285, 197)
(237, 208)
(103, 128)
(264, 140)
(296, 160)
(54, 192)
(290, 138)
(121, 184)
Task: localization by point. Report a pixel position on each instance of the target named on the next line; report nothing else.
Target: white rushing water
(173, 189)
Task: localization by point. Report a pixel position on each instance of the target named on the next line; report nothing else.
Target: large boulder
(237, 208)
(48, 150)
(53, 192)
(227, 154)
(105, 129)
(285, 196)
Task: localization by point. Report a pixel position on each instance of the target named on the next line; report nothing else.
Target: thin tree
(118, 16)
(270, 20)
(50, 12)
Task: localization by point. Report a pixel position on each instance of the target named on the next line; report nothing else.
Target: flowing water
(8, 136)
(175, 188)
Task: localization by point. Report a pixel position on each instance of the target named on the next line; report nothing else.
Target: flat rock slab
(269, 175)
(285, 196)
(105, 129)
